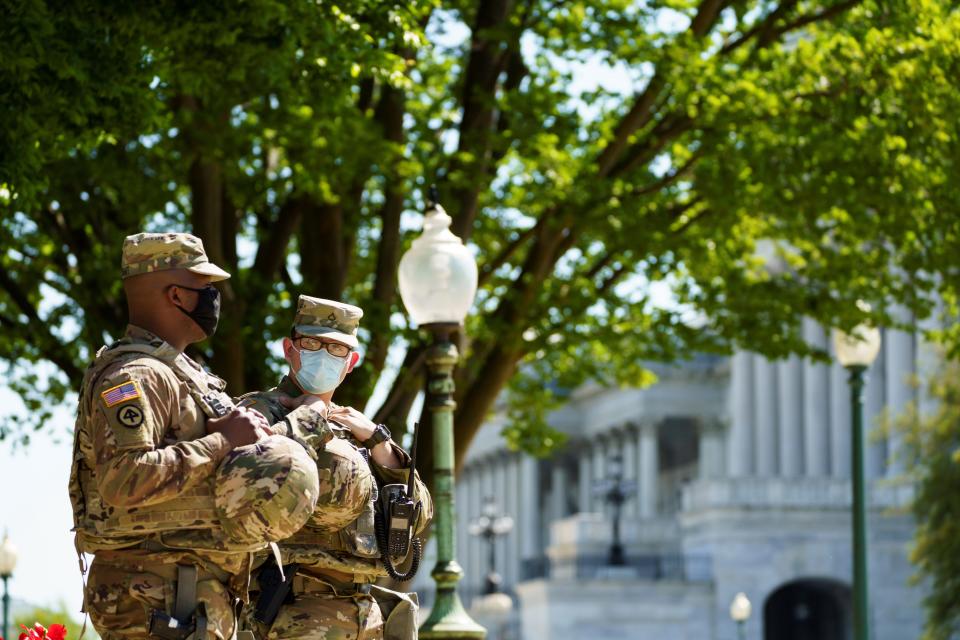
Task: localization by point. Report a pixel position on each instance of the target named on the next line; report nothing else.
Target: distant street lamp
(490, 526)
(8, 562)
(438, 282)
(616, 491)
(740, 610)
(856, 352)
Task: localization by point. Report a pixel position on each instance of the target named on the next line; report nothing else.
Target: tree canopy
(932, 454)
(639, 181)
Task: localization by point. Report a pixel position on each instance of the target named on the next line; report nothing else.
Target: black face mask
(207, 312)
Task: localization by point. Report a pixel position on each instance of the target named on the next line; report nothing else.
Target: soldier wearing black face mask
(206, 313)
(152, 429)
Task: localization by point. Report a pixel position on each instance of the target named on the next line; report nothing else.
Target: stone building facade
(741, 471)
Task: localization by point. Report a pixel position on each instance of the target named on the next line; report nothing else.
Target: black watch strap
(380, 434)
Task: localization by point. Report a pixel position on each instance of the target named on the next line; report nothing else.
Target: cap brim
(209, 269)
(327, 332)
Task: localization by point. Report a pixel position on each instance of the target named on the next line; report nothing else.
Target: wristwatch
(380, 434)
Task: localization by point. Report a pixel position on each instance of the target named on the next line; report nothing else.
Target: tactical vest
(99, 525)
(352, 549)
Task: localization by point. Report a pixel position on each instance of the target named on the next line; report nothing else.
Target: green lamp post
(856, 351)
(8, 561)
(438, 282)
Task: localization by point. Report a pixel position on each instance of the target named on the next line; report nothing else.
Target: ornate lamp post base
(448, 618)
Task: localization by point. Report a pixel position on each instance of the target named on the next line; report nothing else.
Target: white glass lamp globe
(740, 608)
(8, 557)
(438, 275)
(858, 348)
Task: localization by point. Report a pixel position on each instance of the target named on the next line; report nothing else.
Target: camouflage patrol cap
(346, 486)
(328, 318)
(149, 252)
(265, 491)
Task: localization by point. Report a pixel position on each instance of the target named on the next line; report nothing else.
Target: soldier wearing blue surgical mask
(336, 554)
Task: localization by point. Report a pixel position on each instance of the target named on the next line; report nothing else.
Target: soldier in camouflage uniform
(151, 431)
(334, 598)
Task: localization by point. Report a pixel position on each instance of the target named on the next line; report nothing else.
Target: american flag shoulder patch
(123, 392)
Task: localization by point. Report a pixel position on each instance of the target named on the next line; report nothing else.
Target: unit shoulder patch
(130, 416)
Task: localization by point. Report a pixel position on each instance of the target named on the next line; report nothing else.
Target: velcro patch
(123, 392)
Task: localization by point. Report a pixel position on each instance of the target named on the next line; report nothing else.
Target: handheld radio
(394, 520)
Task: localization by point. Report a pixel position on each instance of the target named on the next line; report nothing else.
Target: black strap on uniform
(185, 602)
(186, 599)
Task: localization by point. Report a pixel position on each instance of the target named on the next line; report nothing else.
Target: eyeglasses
(315, 344)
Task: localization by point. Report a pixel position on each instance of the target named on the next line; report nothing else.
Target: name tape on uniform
(123, 392)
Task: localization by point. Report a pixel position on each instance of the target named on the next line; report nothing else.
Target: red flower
(56, 632)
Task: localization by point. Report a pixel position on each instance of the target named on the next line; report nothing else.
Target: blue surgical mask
(319, 371)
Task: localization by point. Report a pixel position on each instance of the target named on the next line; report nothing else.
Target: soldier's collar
(289, 388)
(162, 349)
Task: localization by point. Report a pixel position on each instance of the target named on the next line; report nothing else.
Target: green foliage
(932, 447)
(615, 222)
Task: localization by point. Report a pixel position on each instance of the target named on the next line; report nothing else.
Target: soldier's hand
(307, 400)
(360, 425)
(241, 426)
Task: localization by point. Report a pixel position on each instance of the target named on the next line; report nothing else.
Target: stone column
(512, 495)
(899, 370)
(500, 464)
(928, 361)
(765, 417)
(710, 449)
(649, 469)
(790, 417)
(599, 468)
(740, 438)
(841, 428)
(816, 412)
(558, 489)
(476, 569)
(462, 515)
(626, 444)
(528, 516)
(874, 399)
(585, 480)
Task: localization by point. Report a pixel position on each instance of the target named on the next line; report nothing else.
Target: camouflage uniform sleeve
(307, 425)
(134, 408)
(386, 475)
(304, 424)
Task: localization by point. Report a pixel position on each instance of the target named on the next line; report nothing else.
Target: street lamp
(490, 526)
(856, 352)
(740, 610)
(615, 491)
(8, 561)
(438, 282)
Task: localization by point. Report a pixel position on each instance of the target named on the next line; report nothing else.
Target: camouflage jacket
(353, 548)
(143, 463)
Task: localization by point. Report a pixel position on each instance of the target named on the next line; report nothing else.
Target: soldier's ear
(173, 295)
(354, 359)
(289, 351)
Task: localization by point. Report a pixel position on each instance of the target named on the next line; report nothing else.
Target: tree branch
(491, 266)
(50, 346)
(665, 132)
(273, 248)
(478, 99)
(642, 111)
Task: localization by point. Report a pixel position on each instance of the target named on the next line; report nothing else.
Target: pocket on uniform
(152, 590)
(113, 609)
(399, 613)
(218, 606)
